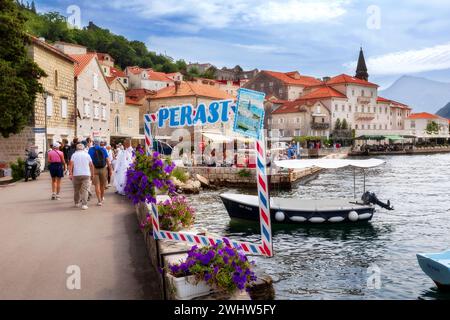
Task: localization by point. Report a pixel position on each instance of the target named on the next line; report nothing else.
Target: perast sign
(249, 106)
(181, 116)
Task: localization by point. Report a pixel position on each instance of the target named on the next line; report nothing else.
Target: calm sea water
(332, 262)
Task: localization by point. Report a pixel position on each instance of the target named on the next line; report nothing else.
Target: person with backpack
(100, 160)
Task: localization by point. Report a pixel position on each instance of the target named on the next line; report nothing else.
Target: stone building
(124, 113)
(283, 86)
(54, 111)
(416, 125)
(109, 70)
(226, 74)
(93, 97)
(140, 97)
(149, 79)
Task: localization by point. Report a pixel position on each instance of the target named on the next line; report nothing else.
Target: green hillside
(53, 27)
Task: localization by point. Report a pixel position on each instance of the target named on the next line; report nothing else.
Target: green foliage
(18, 73)
(18, 169)
(344, 124)
(432, 128)
(304, 139)
(175, 214)
(337, 125)
(244, 173)
(180, 174)
(53, 27)
(221, 267)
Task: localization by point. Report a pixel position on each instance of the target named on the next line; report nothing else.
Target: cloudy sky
(315, 37)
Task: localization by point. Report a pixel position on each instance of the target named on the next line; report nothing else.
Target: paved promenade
(40, 238)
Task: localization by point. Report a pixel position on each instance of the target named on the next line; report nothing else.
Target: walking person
(81, 171)
(65, 149)
(101, 161)
(124, 159)
(111, 159)
(56, 166)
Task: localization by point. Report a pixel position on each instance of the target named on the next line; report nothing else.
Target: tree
(432, 128)
(18, 73)
(33, 7)
(344, 124)
(337, 125)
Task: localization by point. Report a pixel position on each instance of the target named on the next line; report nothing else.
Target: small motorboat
(437, 267)
(295, 211)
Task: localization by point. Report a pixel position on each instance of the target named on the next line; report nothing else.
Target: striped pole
(263, 196)
(247, 247)
(148, 120)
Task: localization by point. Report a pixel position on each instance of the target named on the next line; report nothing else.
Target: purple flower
(158, 183)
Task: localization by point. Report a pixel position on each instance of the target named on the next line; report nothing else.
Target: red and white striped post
(263, 196)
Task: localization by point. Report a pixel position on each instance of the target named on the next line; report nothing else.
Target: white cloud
(219, 13)
(406, 62)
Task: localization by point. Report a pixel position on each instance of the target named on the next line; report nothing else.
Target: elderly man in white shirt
(81, 171)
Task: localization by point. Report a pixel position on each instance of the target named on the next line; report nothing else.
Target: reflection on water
(323, 262)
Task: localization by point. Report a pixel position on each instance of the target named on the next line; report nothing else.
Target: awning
(328, 163)
(394, 137)
(370, 137)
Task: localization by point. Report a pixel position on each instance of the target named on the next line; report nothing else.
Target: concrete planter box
(185, 288)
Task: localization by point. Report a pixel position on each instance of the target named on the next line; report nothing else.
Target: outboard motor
(371, 198)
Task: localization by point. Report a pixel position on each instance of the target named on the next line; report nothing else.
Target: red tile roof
(158, 76)
(346, 79)
(323, 92)
(82, 61)
(133, 102)
(134, 69)
(101, 56)
(138, 94)
(192, 89)
(290, 107)
(395, 103)
(117, 73)
(423, 115)
(294, 78)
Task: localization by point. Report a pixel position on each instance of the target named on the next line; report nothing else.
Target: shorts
(100, 176)
(56, 170)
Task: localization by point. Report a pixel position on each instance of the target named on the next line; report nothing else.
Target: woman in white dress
(124, 159)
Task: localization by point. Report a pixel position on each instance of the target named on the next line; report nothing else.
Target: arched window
(116, 124)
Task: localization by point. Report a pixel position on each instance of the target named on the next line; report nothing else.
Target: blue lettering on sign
(185, 118)
(174, 114)
(200, 116)
(225, 109)
(163, 115)
(181, 116)
(213, 112)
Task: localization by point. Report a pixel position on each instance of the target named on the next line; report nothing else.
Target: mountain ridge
(422, 94)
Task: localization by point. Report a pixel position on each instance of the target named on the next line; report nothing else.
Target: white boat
(437, 267)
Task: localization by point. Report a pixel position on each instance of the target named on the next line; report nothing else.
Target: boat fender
(298, 219)
(365, 216)
(353, 216)
(336, 219)
(279, 216)
(317, 220)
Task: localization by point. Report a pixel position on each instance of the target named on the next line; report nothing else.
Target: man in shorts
(101, 161)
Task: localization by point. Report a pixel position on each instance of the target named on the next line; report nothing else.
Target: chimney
(325, 79)
(177, 85)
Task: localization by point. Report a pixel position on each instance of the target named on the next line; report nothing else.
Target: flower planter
(185, 288)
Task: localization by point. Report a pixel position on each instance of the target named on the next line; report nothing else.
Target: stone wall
(59, 84)
(86, 92)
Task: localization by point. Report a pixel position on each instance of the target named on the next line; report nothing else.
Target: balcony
(364, 116)
(364, 100)
(320, 126)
